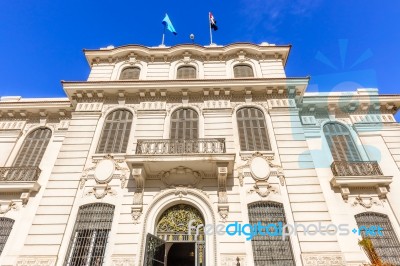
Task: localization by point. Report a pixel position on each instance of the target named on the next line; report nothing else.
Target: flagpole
(163, 36)
(209, 23)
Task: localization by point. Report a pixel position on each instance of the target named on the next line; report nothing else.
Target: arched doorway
(179, 245)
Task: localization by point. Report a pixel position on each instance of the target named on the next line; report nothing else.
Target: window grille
(184, 124)
(33, 148)
(186, 72)
(341, 143)
(252, 130)
(6, 225)
(116, 131)
(130, 73)
(386, 246)
(243, 71)
(270, 250)
(89, 237)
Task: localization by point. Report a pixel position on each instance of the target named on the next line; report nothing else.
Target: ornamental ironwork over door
(155, 251)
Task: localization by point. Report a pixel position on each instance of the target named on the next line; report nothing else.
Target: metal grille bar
(11, 174)
(345, 168)
(270, 250)
(6, 225)
(180, 146)
(90, 235)
(387, 246)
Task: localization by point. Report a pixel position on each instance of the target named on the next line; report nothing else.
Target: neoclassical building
(161, 146)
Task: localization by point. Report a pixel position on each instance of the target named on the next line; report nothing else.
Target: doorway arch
(170, 197)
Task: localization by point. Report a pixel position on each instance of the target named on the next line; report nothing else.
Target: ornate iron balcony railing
(367, 168)
(12, 174)
(180, 146)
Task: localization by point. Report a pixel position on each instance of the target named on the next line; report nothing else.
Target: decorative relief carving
(105, 169)
(366, 202)
(181, 176)
(263, 193)
(157, 105)
(233, 260)
(259, 167)
(42, 261)
(12, 125)
(323, 259)
(100, 191)
(10, 206)
(123, 261)
(89, 107)
(281, 103)
(373, 118)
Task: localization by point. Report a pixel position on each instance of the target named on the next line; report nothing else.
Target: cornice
(203, 53)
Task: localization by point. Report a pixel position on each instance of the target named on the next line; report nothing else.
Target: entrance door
(155, 251)
(181, 254)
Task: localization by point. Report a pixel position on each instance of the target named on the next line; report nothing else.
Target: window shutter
(243, 71)
(252, 130)
(90, 235)
(6, 225)
(130, 73)
(116, 132)
(269, 250)
(186, 72)
(33, 148)
(387, 245)
(341, 144)
(184, 124)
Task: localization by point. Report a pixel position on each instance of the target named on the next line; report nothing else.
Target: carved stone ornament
(233, 260)
(10, 206)
(32, 260)
(100, 191)
(366, 202)
(136, 212)
(262, 189)
(123, 261)
(260, 168)
(223, 210)
(323, 259)
(104, 170)
(181, 176)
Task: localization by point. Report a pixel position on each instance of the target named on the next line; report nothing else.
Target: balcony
(180, 146)
(365, 174)
(367, 168)
(19, 179)
(180, 162)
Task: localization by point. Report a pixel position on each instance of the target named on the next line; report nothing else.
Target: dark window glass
(116, 132)
(186, 72)
(184, 124)
(252, 130)
(243, 71)
(341, 143)
(130, 73)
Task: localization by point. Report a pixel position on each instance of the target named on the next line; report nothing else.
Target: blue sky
(341, 44)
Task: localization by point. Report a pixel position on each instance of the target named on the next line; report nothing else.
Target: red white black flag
(213, 22)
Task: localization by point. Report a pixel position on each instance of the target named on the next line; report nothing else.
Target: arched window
(186, 72)
(252, 130)
(33, 148)
(184, 124)
(341, 143)
(6, 225)
(387, 245)
(243, 71)
(90, 235)
(130, 73)
(116, 131)
(270, 249)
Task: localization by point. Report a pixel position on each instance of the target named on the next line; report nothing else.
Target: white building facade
(147, 162)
